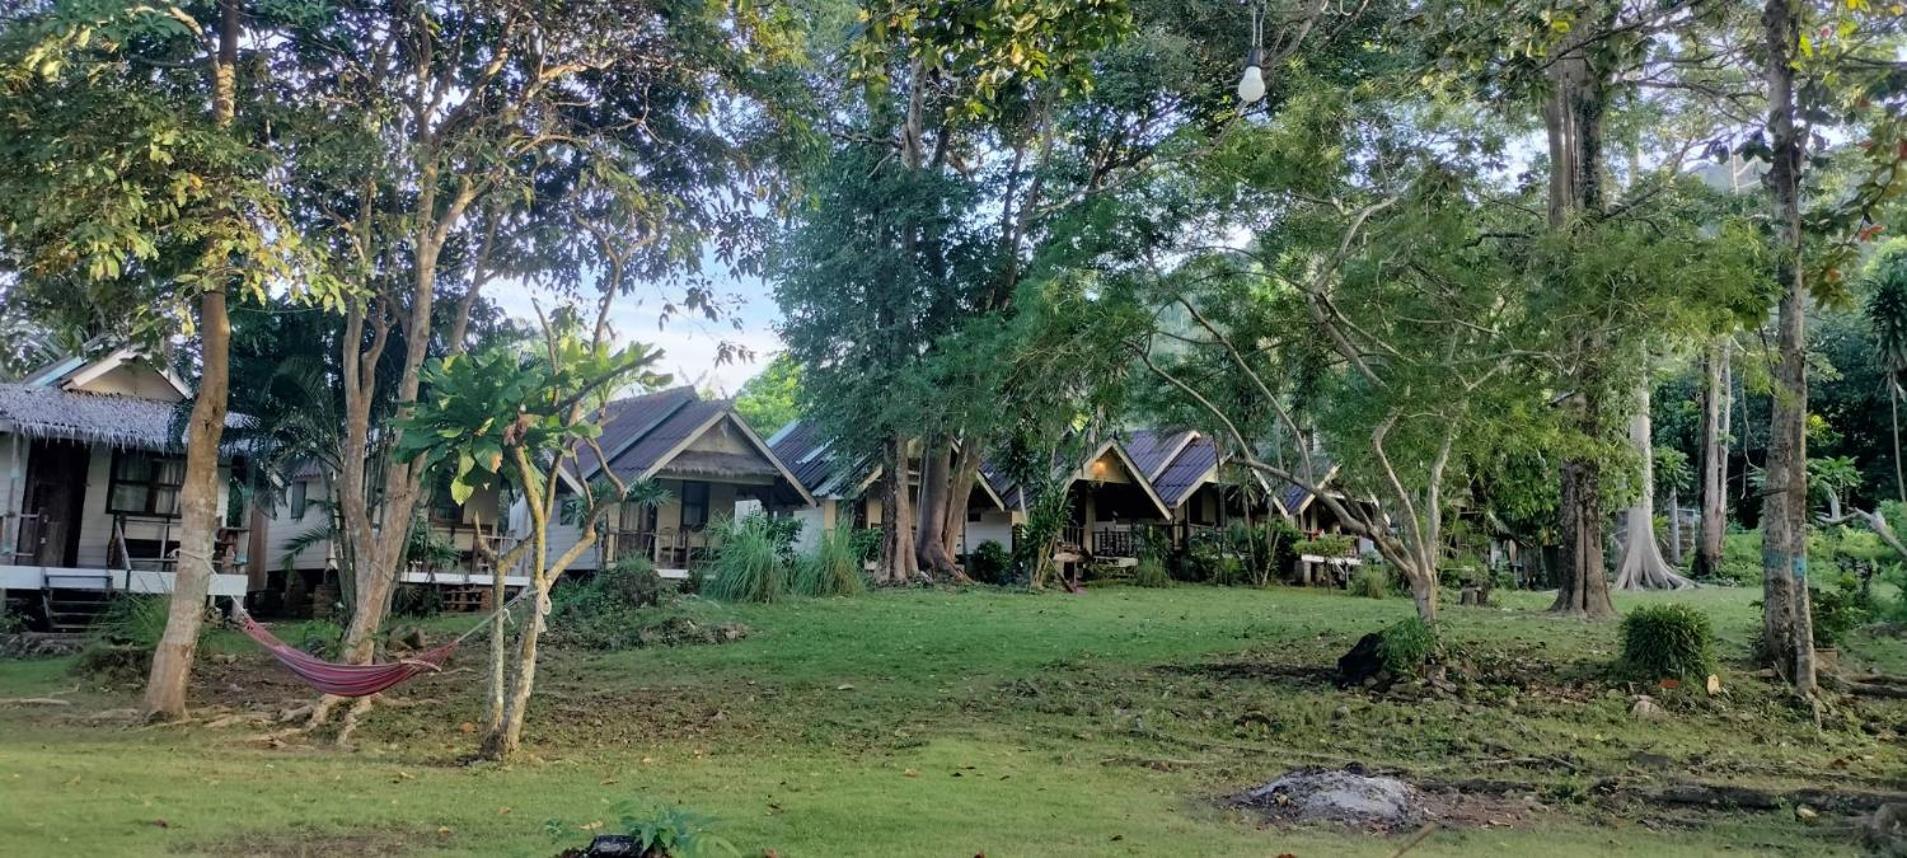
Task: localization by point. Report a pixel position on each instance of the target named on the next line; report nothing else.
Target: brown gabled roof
(643, 434)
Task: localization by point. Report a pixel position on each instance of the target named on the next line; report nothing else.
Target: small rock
(1342, 712)
(1886, 832)
(1805, 815)
(1646, 709)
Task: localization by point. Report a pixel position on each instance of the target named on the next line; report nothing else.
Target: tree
(771, 399)
(1717, 387)
(461, 142)
(1887, 314)
(520, 417)
(1642, 566)
(149, 211)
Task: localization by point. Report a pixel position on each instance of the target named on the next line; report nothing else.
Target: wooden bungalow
(1113, 507)
(703, 454)
(94, 464)
(302, 557)
(1189, 473)
(846, 490)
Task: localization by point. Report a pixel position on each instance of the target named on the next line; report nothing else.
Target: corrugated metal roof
(628, 421)
(1186, 472)
(1153, 449)
(679, 426)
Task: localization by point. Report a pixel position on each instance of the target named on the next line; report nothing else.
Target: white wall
(96, 523)
(283, 529)
(996, 525)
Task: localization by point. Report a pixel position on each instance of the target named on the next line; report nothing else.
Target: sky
(689, 344)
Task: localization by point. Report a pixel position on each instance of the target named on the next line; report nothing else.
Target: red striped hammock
(346, 680)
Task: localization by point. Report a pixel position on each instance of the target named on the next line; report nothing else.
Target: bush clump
(990, 563)
(630, 581)
(1741, 559)
(1150, 573)
(1371, 582)
(1667, 641)
(750, 561)
(1408, 645)
(834, 567)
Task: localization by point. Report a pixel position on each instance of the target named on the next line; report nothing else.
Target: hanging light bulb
(1251, 87)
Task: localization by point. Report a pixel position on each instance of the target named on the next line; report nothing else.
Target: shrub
(135, 621)
(631, 582)
(1150, 573)
(750, 561)
(11, 623)
(417, 600)
(990, 563)
(671, 832)
(1371, 582)
(1667, 641)
(1326, 545)
(1836, 612)
(322, 638)
(1741, 558)
(1408, 646)
(834, 567)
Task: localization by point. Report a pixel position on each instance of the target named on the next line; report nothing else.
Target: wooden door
(56, 493)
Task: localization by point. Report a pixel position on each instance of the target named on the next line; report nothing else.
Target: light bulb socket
(1255, 57)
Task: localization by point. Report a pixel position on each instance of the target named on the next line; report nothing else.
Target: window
(973, 515)
(444, 508)
(298, 500)
(145, 484)
(695, 504)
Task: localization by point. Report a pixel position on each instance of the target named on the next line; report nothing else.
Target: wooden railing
(225, 546)
(1108, 542)
(668, 548)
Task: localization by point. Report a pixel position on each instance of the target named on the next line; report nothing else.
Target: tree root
(359, 708)
(49, 700)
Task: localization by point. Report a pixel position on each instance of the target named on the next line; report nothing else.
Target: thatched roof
(118, 421)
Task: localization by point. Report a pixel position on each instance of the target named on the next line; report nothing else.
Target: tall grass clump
(1371, 582)
(1408, 646)
(749, 562)
(133, 620)
(1667, 641)
(834, 567)
(1151, 573)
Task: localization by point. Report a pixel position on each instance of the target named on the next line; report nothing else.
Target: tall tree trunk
(897, 525)
(1714, 460)
(1675, 527)
(403, 482)
(966, 472)
(199, 495)
(1893, 420)
(936, 491)
(1572, 120)
(1582, 587)
(1787, 623)
(1642, 566)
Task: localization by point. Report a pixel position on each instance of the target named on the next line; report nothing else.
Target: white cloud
(689, 345)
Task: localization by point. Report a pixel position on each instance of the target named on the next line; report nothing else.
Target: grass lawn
(955, 723)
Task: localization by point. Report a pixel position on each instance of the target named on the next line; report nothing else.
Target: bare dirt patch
(304, 843)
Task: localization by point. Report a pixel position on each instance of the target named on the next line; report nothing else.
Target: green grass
(951, 723)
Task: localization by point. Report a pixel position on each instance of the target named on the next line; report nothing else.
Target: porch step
(75, 610)
(74, 601)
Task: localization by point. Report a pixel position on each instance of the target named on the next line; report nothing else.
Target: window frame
(699, 504)
(152, 485)
(298, 498)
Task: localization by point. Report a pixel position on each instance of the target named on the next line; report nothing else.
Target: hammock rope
(359, 680)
